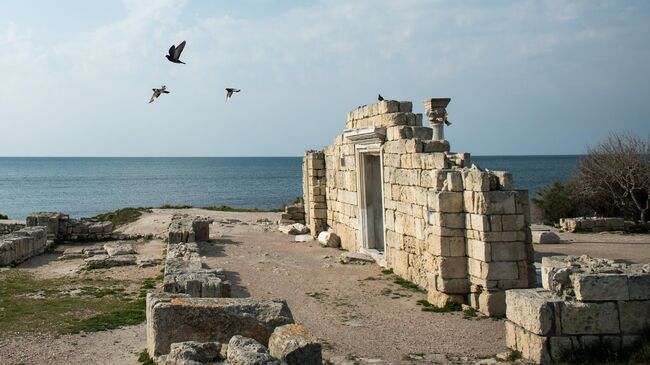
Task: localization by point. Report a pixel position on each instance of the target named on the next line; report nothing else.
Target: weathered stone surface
(105, 261)
(192, 352)
(545, 237)
(303, 238)
(294, 229)
(119, 248)
(634, 316)
(639, 286)
(329, 239)
(22, 244)
(72, 253)
(177, 318)
(356, 258)
(148, 261)
(532, 309)
(295, 345)
(186, 228)
(187, 275)
(531, 346)
(579, 318)
(600, 287)
(247, 351)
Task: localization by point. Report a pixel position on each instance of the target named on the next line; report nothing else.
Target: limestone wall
(584, 303)
(314, 185)
(592, 224)
(458, 231)
(20, 245)
(61, 227)
(8, 226)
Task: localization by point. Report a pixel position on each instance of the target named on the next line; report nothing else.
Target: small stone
(329, 239)
(118, 248)
(247, 351)
(201, 352)
(295, 345)
(356, 258)
(294, 229)
(303, 238)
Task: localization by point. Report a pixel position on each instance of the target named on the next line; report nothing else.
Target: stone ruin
(8, 226)
(584, 303)
(592, 224)
(390, 187)
(194, 321)
(61, 227)
(293, 214)
(22, 244)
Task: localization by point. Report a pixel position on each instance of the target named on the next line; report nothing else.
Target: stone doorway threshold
(379, 256)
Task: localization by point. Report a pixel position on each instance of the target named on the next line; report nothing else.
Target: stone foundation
(61, 227)
(22, 244)
(584, 303)
(185, 228)
(8, 226)
(388, 188)
(592, 224)
(293, 214)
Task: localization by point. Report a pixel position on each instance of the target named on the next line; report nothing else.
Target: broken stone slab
(329, 239)
(118, 248)
(185, 228)
(545, 237)
(177, 318)
(72, 253)
(294, 229)
(204, 283)
(105, 261)
(94, 251)
(600, 287)
(295, 345)
(192, 352)
(22, 244)
(148, 261)
(303, 238)
(246, 351)
(357, 258)
(533, 309)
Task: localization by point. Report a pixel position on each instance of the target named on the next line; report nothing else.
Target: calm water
(88, 186)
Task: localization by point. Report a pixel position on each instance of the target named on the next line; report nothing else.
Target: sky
(524, 77)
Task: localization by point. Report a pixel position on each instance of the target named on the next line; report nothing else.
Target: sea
(87, 186)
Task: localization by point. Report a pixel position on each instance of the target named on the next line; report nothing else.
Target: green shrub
(122, 216)
(558, 201)
(3, 216)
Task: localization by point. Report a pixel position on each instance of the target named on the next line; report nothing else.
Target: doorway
(372, 209)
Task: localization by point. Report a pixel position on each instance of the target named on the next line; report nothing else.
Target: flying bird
(175, 53)
(379, 97)
(230, 91)
(158, 92)
(448, 123)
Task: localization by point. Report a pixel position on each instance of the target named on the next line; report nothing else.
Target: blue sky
(525, 77)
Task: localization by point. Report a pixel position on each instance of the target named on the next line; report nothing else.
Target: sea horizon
(89, 185)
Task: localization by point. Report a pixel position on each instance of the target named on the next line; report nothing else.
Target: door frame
(362, 150)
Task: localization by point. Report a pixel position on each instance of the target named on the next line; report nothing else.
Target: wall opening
(372, 202)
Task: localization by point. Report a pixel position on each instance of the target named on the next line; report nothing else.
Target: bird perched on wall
(447, 122)
(230, 91)
(175, 53)
(158, 92)
(379, 97)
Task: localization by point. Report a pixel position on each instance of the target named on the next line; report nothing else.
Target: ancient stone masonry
(61, 227)
(293, 214)
(394, 190)
(7, 227)
(314, 185)
(592, 224)
(584, 303)
(195, 322)
(184, 272)
(22, 244)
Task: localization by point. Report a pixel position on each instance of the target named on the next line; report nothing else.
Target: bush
(559, 201)
(3, 216)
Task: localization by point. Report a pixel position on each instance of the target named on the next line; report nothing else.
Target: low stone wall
(8, 226)
(185, 228)
(584, 302)
(592, 224)
(22, 244)
(177, 318)
(293, 214)
(61, 227)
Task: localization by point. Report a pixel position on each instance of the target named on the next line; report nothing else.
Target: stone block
(634, 316)
(600, 287)
(532, 347)
(639, 286)
(405, 106)
(247, 351)
(445, 201)
(579, 318)
(293, 344)
(454, 181)
(508, 251)
(500, 270)
(532, 309)
(387, 106)
(545, 237)
(492, 303)
(480, 222)
(452, 267)
(175, 318)
(435, 146)
(479, 250)
(192, 352)
(559, 347)
(452, 286)
(512, 222)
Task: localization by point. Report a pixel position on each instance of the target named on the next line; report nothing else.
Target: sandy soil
(354, 309)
